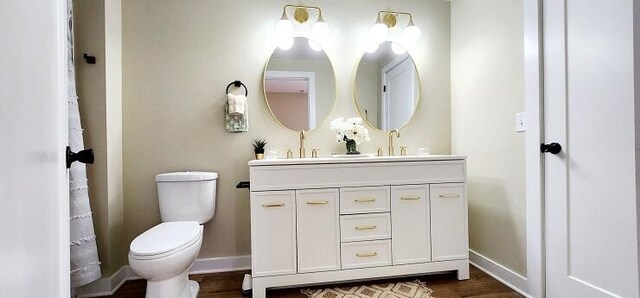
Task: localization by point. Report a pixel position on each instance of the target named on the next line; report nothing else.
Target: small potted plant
(258, 148)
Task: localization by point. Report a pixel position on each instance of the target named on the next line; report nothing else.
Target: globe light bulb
(397, 49)
(379, 32)
(372, 47)
(286, 44)
(284, 27)
(411, 34)
(320, 30)
(314, 45)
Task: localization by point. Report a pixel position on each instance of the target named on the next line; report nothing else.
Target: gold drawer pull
(273, 205)
(365, 200)
(367, 227)
(453, 195)
(409, 198)
(317, 202)
(366, 254)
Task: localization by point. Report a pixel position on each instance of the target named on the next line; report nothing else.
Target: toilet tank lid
(186, 176)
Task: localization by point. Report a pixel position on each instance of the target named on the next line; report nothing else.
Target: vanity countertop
(363, 159)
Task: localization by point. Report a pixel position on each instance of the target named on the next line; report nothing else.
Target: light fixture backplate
(301, 15)
(390, 20)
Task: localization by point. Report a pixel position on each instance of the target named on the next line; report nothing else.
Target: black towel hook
(89, 59)
(237, 84)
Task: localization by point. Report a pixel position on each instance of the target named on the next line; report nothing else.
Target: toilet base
(176, 287)
(194, 287)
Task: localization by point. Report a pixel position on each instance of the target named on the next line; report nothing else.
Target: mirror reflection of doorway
(291, 97)
(399, 91)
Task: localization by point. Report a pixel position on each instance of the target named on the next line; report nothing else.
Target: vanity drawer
(364, 199)
(366, 254)
(365, 227)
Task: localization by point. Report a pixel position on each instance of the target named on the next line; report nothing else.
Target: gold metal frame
(335, 87)
(301, 13)
(391, 17)
(355, 95)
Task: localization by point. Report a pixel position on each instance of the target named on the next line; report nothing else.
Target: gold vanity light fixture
(388, 20)
(285, 28)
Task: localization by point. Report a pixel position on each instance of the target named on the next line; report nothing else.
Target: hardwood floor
(227, 285)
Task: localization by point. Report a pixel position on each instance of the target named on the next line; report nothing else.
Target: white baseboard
(503, 274)
(108, 285)
(213, 265)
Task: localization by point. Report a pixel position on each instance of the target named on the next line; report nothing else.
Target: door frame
(533, 98)
(64, 254)
(311, 92)
(384, 104)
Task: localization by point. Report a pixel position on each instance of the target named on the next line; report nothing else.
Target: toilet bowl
(163, 256)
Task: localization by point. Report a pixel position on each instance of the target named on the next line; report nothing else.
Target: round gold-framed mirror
(299, 85)
(387, 87)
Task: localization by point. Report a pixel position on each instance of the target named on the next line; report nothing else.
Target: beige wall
(97, 32)
(180, 55)
(487, 92)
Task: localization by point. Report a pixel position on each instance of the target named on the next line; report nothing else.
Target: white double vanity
(328, 220)
(333, 220)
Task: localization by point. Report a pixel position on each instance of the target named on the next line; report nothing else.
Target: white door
(398, 94)
(590, 191)
(34, 197)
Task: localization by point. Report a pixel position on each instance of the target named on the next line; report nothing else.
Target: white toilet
(163, 254)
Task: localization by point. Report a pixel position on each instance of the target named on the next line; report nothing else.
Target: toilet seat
(165, 239)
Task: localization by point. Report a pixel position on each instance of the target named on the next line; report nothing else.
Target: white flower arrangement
(352, 128)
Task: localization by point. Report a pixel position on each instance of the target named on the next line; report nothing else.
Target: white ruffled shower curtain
(85, 265)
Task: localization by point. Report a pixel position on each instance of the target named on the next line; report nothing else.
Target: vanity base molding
(261, 284)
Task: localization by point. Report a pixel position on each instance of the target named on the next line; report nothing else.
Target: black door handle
(553, 148)
(83, 156)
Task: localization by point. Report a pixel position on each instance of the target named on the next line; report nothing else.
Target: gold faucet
(391, 148)
(302, 151)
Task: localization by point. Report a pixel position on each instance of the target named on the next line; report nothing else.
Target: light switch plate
(521, 124)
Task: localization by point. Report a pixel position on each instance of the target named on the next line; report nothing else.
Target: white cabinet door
(318, 230)
(410, 224)
(273, 233)
(449, 240)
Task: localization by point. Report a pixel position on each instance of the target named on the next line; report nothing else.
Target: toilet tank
(187, 196)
